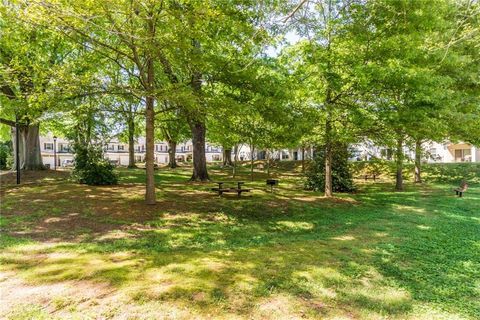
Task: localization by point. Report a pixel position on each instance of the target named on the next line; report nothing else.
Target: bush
(431, 172)
(91, 167)
(341, 174)
(5, 155)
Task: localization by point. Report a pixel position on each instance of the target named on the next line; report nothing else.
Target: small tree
(91, 167)
(341, 175)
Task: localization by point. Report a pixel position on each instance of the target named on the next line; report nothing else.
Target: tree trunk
(328, 160)
(29, 147)
(150, 137)
(131, 143)
(200, 172)
(303, 159)
(227, 157)
(268, 163)
(418, 161)
(172, 149)
(252, 148)
(399, 165)
(235, 159)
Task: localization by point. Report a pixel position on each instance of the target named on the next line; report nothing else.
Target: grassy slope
(292, 254)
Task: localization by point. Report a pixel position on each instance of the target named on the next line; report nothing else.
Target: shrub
(5, 155)
(341, 175)
(431, 172)
(91, 167)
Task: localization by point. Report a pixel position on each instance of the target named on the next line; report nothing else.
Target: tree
(122, 32)
(329, 65)
(174, 129)
(30, 59)
(414, 93)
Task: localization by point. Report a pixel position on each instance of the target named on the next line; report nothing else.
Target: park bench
(461, 189)
(238, 190)
(369, 176)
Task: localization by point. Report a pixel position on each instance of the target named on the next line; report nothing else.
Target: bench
(461, 189)
(369, 176)
(238, 190)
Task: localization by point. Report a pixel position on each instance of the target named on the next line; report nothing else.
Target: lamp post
(17, 146)
(55, 153)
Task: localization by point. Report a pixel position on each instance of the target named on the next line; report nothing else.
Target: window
(463, 155)
(110, 147)
(64, 147)
(48, 146)
(121, 147)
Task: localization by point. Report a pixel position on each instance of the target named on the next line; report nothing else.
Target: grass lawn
(72, 251)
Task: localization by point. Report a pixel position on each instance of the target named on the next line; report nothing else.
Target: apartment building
(117, 152)
(446, 152)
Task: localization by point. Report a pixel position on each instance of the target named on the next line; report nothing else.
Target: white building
(446, 152)
(117, 152)
(452, 152)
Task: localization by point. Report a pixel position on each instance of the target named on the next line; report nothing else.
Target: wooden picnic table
(221, 189)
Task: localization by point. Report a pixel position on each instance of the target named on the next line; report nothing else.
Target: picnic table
(222, 189)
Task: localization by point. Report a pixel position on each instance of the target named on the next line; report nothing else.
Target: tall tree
(329, 65)
(30, 57)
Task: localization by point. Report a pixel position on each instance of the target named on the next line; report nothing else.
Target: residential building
(446, 152)
(117, 152)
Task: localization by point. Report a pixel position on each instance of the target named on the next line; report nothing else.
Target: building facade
(117, 152)
(433, 152)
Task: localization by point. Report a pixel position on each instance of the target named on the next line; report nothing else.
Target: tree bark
(235, 159)
(418, 161)
(150, 135)
(303, 159)
(227, 157)
(399, 165)
(172, 149)
(200, 172)
(131, 143)
(268, 163)
(252, 149)
(328, 160)
(197, 126)
(30, 157)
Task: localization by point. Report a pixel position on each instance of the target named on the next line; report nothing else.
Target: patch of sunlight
(325, 276)
(120, 256)
(381, 234)
(277, 306)
(36, 246)
(427, 312)
(409, 208)
(296, 225)
(62, 255)
(344, 238)
(380, 299)
(423, 227)
(313, 284)
(115, 234)
(53, 220)
(245, 282)
(212, 264)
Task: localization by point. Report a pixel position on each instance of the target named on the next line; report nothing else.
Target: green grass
(292, 254)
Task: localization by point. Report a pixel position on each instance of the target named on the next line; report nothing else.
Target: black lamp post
(17, 146)
(54, 153)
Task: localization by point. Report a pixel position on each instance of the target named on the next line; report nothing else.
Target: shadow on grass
(381, 254)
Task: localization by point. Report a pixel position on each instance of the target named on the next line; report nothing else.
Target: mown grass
(292, 254)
